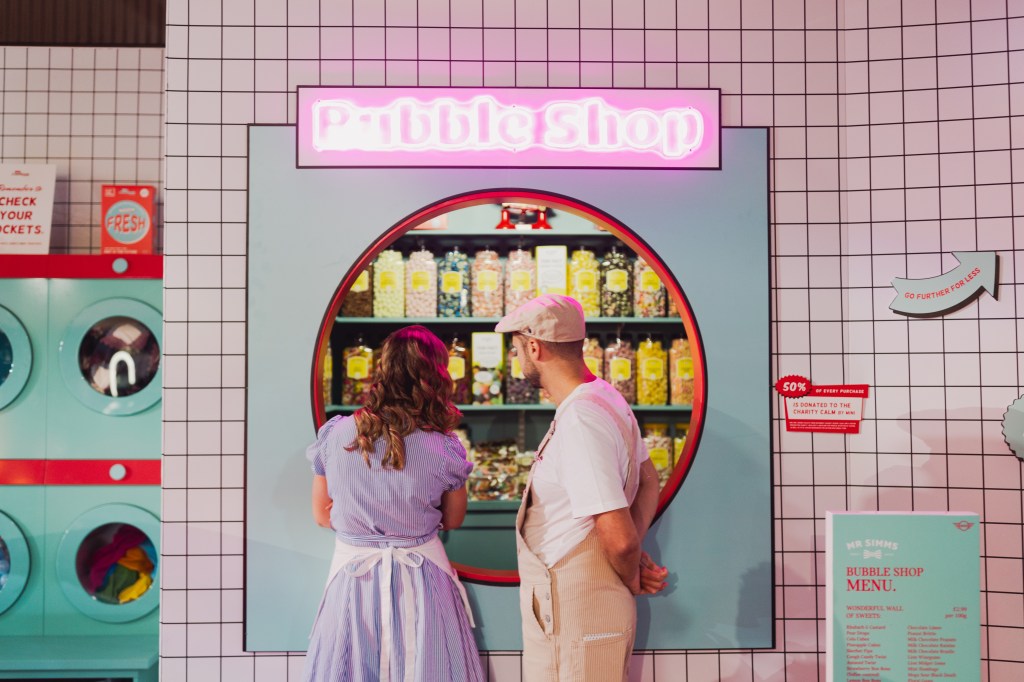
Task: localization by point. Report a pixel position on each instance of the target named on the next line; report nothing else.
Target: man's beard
(530, 373)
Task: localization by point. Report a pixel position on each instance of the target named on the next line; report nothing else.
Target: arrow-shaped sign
(950, 290)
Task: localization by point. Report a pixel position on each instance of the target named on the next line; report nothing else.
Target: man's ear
(534, 348)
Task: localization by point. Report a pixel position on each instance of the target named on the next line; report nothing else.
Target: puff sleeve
(319, 450)
(455, 466)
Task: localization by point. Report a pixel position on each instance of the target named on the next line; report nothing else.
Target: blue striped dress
(377, 507)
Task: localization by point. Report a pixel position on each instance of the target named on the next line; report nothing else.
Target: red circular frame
(578, 208)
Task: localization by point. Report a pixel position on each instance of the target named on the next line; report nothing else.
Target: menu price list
(865, 657)
(927, 647)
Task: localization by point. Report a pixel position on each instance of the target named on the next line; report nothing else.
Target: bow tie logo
(869, 554)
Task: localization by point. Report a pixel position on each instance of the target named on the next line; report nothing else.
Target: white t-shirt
(582, 472)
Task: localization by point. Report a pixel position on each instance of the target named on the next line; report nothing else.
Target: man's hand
(651, 576)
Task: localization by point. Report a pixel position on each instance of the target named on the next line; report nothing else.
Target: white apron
(358, 561)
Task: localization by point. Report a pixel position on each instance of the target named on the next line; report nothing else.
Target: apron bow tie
(387, 557)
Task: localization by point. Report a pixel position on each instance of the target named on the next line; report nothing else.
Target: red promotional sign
(127, 212)
(827, 409)
(793, 386)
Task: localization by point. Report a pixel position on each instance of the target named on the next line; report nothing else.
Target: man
(591, 497)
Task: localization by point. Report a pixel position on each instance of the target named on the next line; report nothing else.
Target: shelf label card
(659, 458)
(620, 369)
(827, 409)
(451, 282)
(649, 281)
(552, 269)
(387, 279)
(487, 280)
(902, 596)
(26, 207)
(522, 280)
(419, 280)
(679, 442)
(585, 281)
(456, 367)
(488, 349)
(653, 369)
(616, 280)
(508, 127)
(362, 282)
(357, 367)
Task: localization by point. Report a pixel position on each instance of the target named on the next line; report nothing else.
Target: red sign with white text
(127, 212)
(827, 409)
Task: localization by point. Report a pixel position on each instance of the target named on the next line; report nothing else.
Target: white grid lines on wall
(97, 113)
(895, 128)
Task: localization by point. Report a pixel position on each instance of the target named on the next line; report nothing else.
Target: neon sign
(508, 128)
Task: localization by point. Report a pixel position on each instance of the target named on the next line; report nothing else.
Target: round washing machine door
(15, 562)
(15, 357)
(110, 356)
(107, 563)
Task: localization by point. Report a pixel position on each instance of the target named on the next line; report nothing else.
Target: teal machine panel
(21, 548)
(91, 323)
(23, 367)
(710, 228)
(79, 360)
(78, 520)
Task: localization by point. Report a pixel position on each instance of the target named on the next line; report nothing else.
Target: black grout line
(1013, 266)
(974, 176)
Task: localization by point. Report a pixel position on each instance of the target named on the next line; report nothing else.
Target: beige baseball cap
(547, 318)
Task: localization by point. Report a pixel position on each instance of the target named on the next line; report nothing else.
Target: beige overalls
(579, 619)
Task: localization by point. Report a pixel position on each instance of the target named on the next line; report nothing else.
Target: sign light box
(508, 127)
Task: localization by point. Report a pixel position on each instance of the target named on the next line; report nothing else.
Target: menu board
(903, 597)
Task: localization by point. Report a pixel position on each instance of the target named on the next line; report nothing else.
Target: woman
(386, 480)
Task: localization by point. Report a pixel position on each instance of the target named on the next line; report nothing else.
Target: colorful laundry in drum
(122, 570)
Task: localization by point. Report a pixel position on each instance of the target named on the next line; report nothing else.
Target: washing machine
(105, 341)
(92, 532)
(22, 559)
(23, 367)
(23, 337)
(80, 386)
(103, 449)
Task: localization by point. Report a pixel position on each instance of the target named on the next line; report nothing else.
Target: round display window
(458, 278)
(6, 357)
(115, 563)
(119, 356)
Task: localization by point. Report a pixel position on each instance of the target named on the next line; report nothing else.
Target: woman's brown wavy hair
(411, 390)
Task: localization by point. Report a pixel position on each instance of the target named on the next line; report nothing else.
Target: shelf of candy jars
(458, 282)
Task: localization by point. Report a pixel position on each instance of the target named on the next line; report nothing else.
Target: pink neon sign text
(483, 123)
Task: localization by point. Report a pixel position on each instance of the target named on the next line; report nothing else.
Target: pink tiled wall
(894, 129)
(97, 114)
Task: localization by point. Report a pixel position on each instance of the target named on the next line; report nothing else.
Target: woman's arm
(453, 508)
(322, 502)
